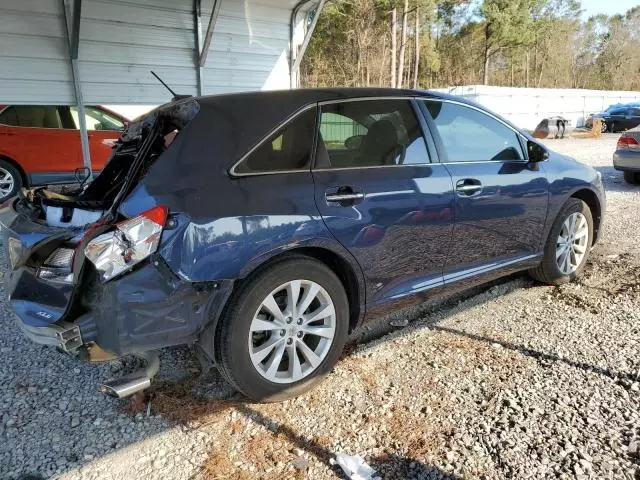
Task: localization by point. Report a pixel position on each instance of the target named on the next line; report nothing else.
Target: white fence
(526, 107)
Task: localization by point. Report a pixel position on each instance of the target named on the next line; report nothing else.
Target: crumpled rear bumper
(147, 309)
(151, 308)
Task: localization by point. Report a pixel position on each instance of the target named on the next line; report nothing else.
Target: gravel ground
(511, 380)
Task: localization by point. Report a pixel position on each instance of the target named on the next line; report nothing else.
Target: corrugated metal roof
(121, 41)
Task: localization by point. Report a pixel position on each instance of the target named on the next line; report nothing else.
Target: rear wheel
(632, 177)
(10, 180)
(567, 248)
(284, 330)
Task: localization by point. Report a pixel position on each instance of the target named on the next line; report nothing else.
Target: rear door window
(369, 133)
(469, 135)
(288, 149)
(34, 116)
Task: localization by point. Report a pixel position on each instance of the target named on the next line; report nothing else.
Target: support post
(307, 38)
(72, 26)
(207, 38)
(197, 19)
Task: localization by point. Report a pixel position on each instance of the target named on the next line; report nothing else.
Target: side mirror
(537, 153)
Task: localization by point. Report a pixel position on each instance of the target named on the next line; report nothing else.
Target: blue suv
(264, 227)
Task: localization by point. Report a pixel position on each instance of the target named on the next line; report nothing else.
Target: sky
(610, 7)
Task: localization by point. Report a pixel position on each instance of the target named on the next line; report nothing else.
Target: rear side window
(369, 133)
(35, 116)
(289, 149)
(469, 135)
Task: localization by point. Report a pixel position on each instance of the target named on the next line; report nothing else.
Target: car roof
(304, 96)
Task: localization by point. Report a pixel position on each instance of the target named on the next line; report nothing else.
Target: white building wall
(121, 41)
(526, 107)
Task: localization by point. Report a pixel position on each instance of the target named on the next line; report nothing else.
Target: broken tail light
(132, 241)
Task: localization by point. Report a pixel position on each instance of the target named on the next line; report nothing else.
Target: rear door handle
(468, 187)
(344, 195)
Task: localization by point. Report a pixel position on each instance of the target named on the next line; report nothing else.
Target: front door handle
(345, 195)
(468, 187)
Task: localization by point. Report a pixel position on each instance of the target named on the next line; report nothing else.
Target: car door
(103, 131)
(34, 136)
(632, 119)
(617, 120)
(500, 198)
(381, 196)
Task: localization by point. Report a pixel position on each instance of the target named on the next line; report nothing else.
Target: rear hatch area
(44, 231)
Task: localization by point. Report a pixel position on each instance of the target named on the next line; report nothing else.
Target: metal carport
(72, 52)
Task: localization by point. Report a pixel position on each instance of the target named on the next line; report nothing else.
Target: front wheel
(567, 248)
(632, 178)
(284, 330)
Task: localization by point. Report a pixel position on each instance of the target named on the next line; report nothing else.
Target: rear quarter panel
(229, 229)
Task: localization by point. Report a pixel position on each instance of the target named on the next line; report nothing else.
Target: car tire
(604, 127)
(248, 328)
(10, 180)
(632, 178)
(567, 248)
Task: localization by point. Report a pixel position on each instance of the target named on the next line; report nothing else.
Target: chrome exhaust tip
(135, 382)
(125, 386)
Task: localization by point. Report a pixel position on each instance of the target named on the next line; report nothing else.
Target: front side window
(34, 116)
(469, 135)
(97, 119)
(289, 149)
(369, 133)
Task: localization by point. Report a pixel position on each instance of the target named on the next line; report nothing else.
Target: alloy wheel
(292, 331)
(571, 246)
(6, 183)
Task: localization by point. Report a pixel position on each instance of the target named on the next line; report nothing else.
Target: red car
(40, 144)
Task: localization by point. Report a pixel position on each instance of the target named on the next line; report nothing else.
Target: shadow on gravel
(386, 466)
(178, 403)
(541, 356)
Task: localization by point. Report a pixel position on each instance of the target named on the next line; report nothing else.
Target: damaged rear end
(66, 250)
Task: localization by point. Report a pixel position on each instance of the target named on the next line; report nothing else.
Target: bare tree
(394, 35)
(416, 34)
(403, 43)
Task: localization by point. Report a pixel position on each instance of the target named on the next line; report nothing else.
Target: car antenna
(175, 95)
